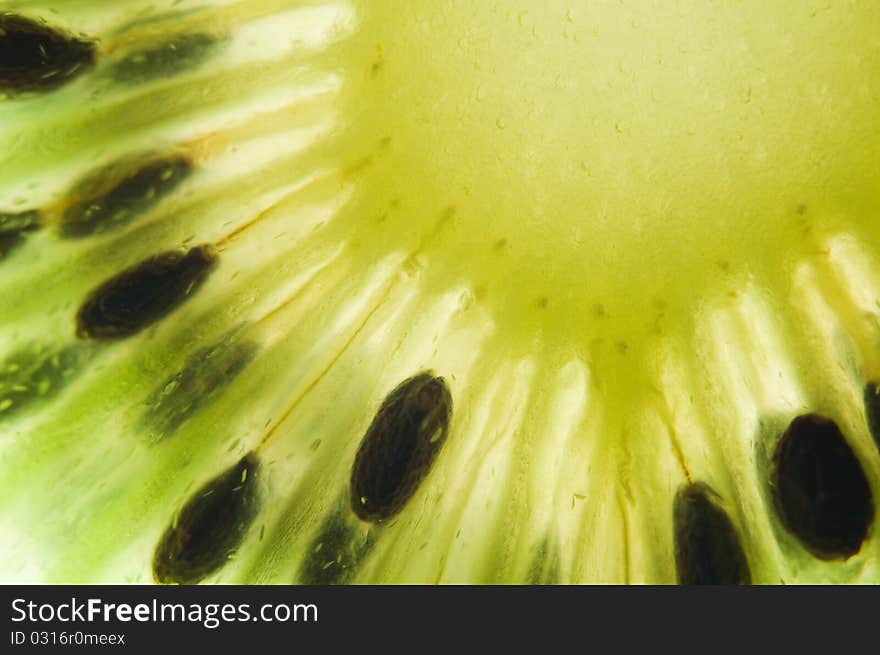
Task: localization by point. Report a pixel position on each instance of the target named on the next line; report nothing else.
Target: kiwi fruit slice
(348, 291)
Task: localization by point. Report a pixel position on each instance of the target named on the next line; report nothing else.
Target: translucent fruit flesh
(634, 241)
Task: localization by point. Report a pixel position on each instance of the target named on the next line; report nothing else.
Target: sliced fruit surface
(366, 291)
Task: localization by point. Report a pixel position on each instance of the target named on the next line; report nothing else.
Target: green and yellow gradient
(636, 237)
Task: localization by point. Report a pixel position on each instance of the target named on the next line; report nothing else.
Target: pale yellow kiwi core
(597, 172)
(635, 238)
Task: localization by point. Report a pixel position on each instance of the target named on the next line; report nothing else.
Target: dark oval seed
(38, 373)
(14, 229)
(819, 488)
(35, 57)
(205, 373)
(210, 527)
(142, 295)
(9, 241)
(177, 54)
(116, 195)
(337, 551)
(707, 546)
(400, 446)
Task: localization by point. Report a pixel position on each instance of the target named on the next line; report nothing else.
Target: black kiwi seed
(131, 191)
(14, 228)
(819, 488)
(203, 375)
(173, 56)
(707, 547)
(336, 552)
(400, 446)
(37, 373)
(872, 410)
(211, 526)
(143, 294)
(9, 241)
(35, 57)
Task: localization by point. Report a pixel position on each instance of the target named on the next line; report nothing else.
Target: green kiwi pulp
(350, 292)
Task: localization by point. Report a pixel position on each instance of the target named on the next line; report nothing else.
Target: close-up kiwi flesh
(439, 292)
